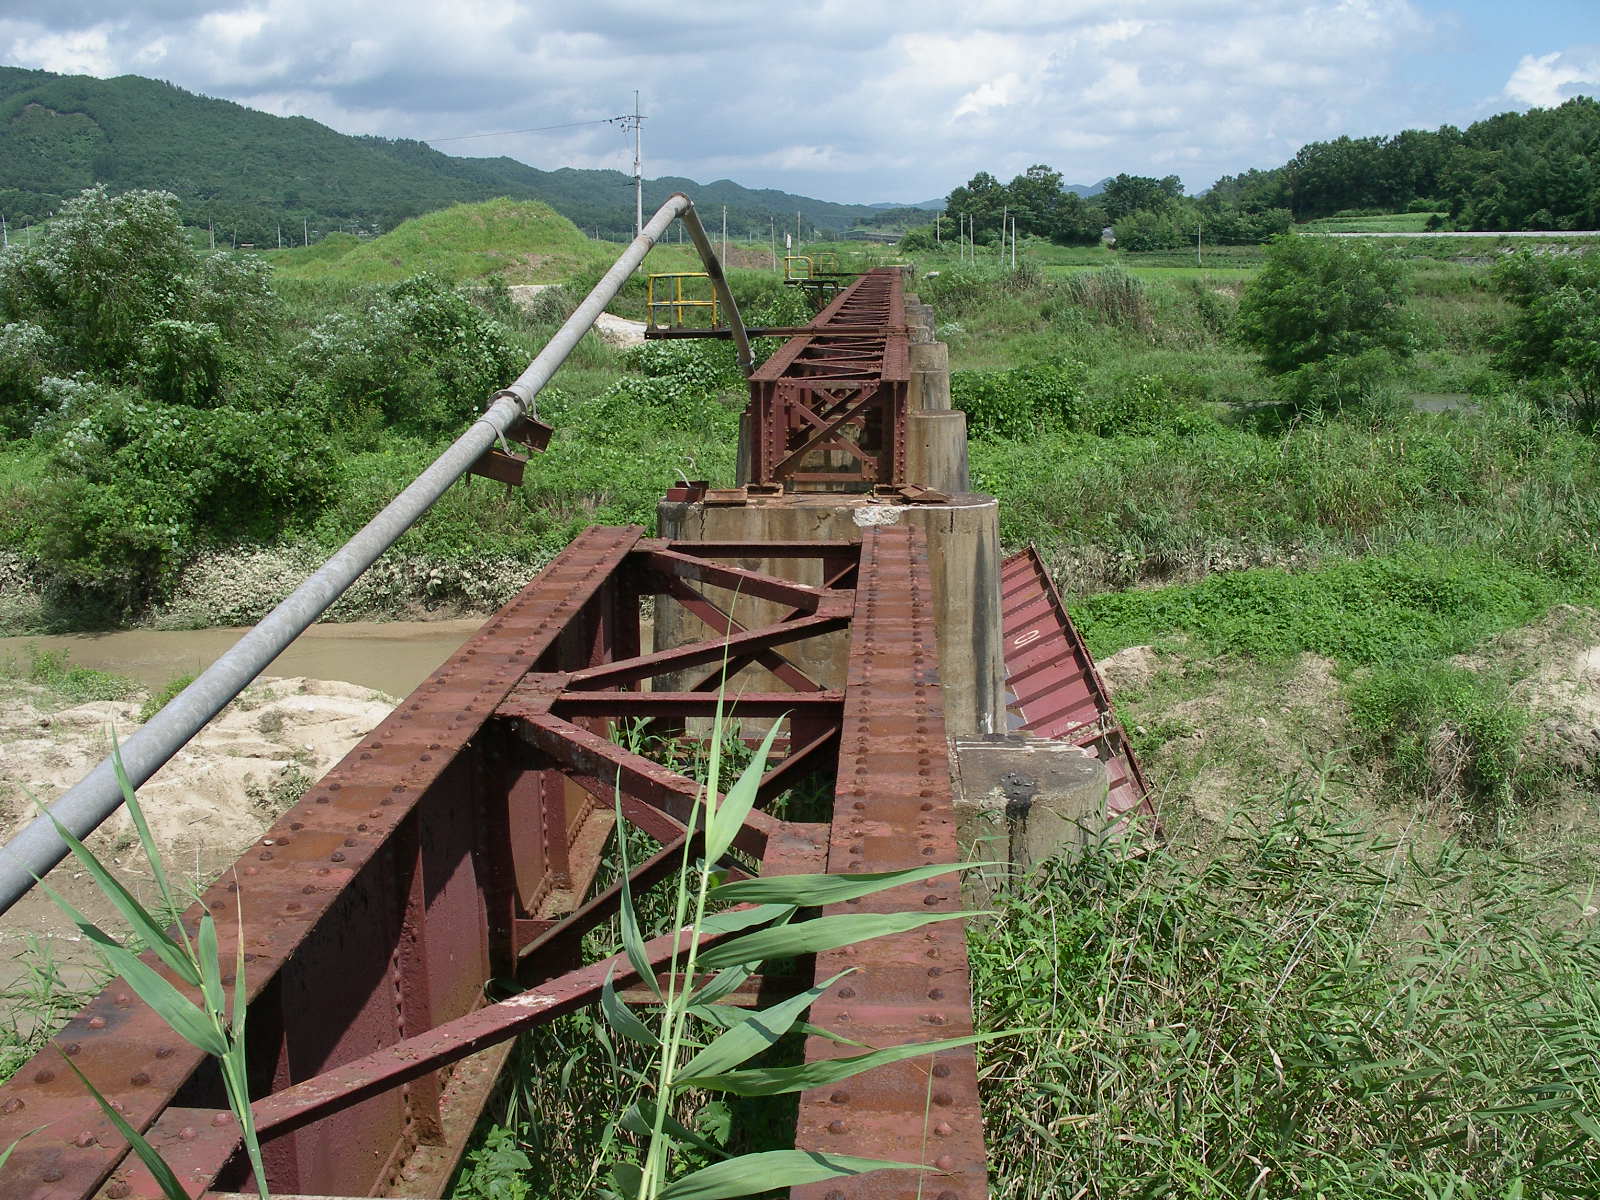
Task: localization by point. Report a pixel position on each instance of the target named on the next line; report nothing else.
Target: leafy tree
(1554, 339)
(1131, 193)
(1328, 318)
(105, 269)
(421, 358)
(1144, 229)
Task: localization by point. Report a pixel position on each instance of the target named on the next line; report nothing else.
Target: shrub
(1328, 318)
(27, 354)
(422, 358)
(180, 362)
(101, 272)
(1554, 338)
(1020, 402)
(1447, 734)
(140, 487)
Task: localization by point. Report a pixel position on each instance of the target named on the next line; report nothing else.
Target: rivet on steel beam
(837, 1127)
(935, 1018)
(932, 900)
(266, 856)
(336, 856)
(139, 1079)
(942, 1099)
(220, 1119)
(349, 841)
(840, 1097)
(51, 1175)
(188, 1133)
(97, 1022)
(13, 1105)
(847, 992)
(163, 1051)
(117, 1190)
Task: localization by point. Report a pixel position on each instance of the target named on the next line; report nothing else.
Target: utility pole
(305, 231)
(280, 235)
(211, 228)
(1197, 261)
(5, 233)
(772, 223)
(638, 168)
(1004, 211)
(1013, 243)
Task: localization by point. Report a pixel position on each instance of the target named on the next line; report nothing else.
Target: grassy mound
(523, 241)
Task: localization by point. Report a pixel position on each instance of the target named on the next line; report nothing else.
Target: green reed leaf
(755, 1033)
(814, 891)
(773, 1081)
(730, 815)
(145, 927)
(621, 1018)
(821, 933)
(154, 1163)
(770, 1170)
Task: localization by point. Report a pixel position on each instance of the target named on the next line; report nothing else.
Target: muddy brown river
(390, 656)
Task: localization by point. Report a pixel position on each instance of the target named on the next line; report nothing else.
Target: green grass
(54, 671)
(1410, 222)
(1294, 1007)
(1417, 605)
(523, 241)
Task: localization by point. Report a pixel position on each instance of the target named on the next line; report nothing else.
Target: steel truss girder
(457, 843)
(831, 412)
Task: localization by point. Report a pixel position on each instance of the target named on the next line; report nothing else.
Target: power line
(464, 137)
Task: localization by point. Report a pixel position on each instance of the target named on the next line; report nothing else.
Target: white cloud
(1547, 80)
(828, 98)
(75, 52)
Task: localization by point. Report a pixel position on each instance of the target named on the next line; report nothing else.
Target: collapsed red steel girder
(458, 842)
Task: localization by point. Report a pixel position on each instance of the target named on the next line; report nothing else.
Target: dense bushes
(138, 488)
(1029, 402)
(420, 358)
(1554, 338)
(1328, 318)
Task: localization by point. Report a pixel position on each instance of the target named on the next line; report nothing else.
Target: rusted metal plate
(893, 809)
(1056, 690)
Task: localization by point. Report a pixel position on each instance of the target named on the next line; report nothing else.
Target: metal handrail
(82, 808)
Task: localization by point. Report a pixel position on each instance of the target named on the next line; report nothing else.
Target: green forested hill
(250, 172)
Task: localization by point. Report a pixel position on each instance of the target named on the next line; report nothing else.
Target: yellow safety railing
(789, 261)
(677, 302)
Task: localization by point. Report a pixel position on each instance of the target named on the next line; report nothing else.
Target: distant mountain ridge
(263, 176)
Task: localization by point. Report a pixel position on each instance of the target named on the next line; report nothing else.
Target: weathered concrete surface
(964, 556)
(936, 451)
(1026, 800)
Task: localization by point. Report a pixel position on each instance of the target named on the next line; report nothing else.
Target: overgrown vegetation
(1296, 1006)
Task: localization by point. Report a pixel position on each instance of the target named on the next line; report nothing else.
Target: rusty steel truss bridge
(460, 842)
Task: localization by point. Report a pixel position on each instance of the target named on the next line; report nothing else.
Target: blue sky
(848, 99)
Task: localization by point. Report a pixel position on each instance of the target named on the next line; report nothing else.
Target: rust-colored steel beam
(893, 808)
